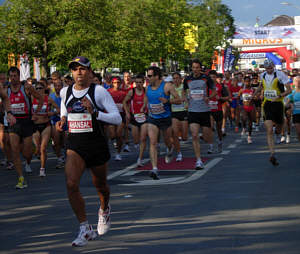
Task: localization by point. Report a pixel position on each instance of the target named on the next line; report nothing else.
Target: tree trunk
(45, 67)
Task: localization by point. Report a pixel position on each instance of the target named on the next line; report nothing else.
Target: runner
(257, 100)
(158, 101)
(234, 103)
(58, 137)
(179, 116)
(216, 105)
(116, 131)
(42, 125)
(4, 136)
(272, 87)
(196, 90)
(133, 104)
(226, 105)
(20, 134)
(248, 114)
(82, 106)
(294, 100)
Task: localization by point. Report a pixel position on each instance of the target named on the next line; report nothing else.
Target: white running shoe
(139, 163)
(249, 140)
(257, 128)
(169, 155)
(42, 172)
(137, 147)
(288, 139)
(220, 147)
(199, 165)
(179, 157)
(28, 168)
(118, 157)
(103, 221)
(3, 162)
(282, 139)
(126, 148)
(86, 233)
(243, 132)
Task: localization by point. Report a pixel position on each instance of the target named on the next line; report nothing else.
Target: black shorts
(94, 152)
(273, 111)
(23, 127)
(217, 115)
(202, 118)
(296, 118)
(161, 123)
(257, 103)
(40, 127)
(180, 115)
(2, 118)
(135, 123)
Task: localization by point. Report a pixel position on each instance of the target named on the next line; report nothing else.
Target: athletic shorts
(202, 118)
(180, 115)
(161, 123)
(273, 111)
(134, 122)
(248, 108)
(257, 103)
(217, 115)
(234, 103)
(23, 127)
(296, 118)
(40, 127)
(94, 153)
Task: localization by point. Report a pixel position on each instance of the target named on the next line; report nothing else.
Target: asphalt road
(239, 204)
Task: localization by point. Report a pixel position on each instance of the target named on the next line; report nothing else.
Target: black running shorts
(274, 111)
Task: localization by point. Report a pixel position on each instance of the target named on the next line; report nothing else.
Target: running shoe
(103, 221)
(210, 150)
(257, 128)
(86, 233)
(282, 139)
(243, 133)
(9, 165)
(42, 172)
(153, 174)
(137, 147)
(274, 161)
(249, 140)
(21, 183)
(3, 162)
(288, 139)
(126, 149)
(278, 139)
(199, 165)
(179, 157)
(118, 157)
(169, 155)
(60, 162)
(139, 163)
(28, 168)
(220, 147)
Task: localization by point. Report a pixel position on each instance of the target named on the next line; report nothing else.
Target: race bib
(247, 97)
(197, 94)
(80, 122)
(18, 108)
(120, 107)
(297, 105)
(270, 94)
(179, 107)
(140, 118)
(156, 109)
(213, 104)
(43, 110)
(235, 95)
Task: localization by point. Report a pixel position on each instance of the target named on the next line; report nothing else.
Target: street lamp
(289, 4)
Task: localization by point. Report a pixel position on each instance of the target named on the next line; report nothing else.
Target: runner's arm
(125, 102)
(52, 103)
(30, 91)
(176, 100)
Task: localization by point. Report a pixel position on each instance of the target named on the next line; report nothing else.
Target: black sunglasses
(39, 88)
(150, 76)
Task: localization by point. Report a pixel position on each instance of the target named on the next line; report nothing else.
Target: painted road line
(225, 152)
(178, 180)
(238, 141)
(232, 146)
(125, 170)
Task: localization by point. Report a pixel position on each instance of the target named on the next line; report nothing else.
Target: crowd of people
(78, 116)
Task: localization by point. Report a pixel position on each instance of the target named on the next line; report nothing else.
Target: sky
(246, 11)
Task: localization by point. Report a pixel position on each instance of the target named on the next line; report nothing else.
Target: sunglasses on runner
(39, 88)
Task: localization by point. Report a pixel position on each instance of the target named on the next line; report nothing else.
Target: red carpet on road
(186, 164)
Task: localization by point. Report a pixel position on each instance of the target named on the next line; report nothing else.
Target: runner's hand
(60, 125)
(34, 117)
(88, 105)
(163, 100)
(206, 100)
(10, 119)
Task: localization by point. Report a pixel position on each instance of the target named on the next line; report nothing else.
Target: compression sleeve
(105, 101)
(63, 109)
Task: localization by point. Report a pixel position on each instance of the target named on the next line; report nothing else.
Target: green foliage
(129, 34)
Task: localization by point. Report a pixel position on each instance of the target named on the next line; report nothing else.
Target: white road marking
(232, 146)
(225, 152)
(178, 180)
(238, 141)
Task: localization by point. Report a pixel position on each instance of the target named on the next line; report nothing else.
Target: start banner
(266, 32)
